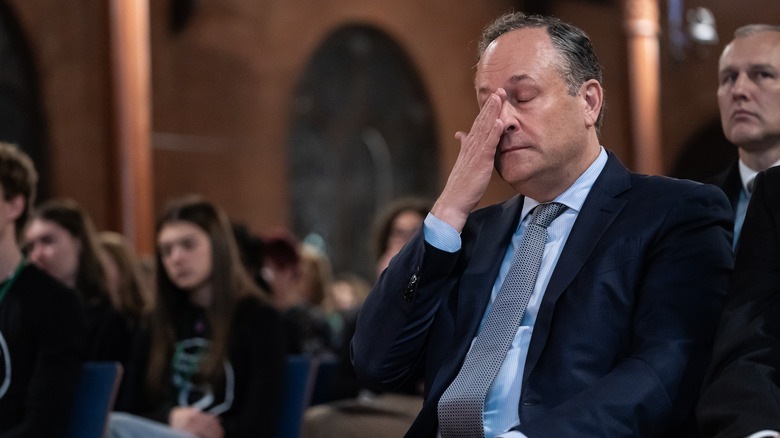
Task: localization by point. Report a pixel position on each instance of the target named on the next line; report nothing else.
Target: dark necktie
(460, 407)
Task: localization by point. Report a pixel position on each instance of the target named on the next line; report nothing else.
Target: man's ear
(593, 96)
(16, 206)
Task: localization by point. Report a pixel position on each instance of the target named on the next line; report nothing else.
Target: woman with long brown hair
(129, 285)
(61, 240)
(215, 353)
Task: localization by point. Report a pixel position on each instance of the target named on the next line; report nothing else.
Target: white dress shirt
(746, 176)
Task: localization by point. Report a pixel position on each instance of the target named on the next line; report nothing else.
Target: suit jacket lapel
(598, 212)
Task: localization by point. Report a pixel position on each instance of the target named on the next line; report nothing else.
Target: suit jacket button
(412, 282)
(411, 285)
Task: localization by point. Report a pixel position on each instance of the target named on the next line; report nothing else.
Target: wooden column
(130, 59)
(642, 29)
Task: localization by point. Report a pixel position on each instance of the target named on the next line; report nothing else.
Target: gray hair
(752, 29)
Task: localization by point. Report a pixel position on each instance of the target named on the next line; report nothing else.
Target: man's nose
(508, 115)
(741, 85)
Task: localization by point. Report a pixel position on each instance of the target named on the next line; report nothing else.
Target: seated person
(61, 240)
(211, 363)
(42, 326)
(741, 395)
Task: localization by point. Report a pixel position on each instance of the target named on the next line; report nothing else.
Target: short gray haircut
(752, 29)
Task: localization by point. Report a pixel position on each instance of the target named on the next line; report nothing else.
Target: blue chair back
(327, 372)
(298, 384)
(94, 400)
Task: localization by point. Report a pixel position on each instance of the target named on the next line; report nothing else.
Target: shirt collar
(575, 195)
(747, 175)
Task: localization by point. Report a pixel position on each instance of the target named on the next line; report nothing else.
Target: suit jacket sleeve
(743, 390)
(392, 327)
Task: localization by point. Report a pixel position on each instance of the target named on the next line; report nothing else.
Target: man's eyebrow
(511, 81)
(762, 66)
(518, 78)
(750, 67)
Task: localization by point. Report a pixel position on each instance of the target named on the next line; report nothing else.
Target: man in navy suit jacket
(616, 336)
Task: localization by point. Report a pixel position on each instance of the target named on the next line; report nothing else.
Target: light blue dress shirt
(503, 397)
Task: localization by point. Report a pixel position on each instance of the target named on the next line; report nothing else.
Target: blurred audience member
(395, 226)
(316, 275)
(356, 410)
(128, 287)
(348, 292)
(41, 321)
(212, 362)
(250, 248)
(292, 280)
(341, 307)
(343, 300)
(61, 240)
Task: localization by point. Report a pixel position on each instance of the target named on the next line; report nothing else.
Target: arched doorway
(362, 134)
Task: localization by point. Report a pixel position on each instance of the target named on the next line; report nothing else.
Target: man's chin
(749, 140)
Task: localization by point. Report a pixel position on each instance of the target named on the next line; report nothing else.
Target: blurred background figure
(61, 240)
(347, 293)
(129, 287)
(316, 275)
(250, 249)
(342, 302)
(42, 326)
(297, 279)
(211, 363)
(395, 226)
(355, 410)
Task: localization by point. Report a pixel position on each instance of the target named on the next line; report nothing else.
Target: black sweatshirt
(248, 406)
(42, 343)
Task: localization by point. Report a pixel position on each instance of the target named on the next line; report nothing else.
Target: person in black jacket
(42, 327)
(213, 363)
(743, 385)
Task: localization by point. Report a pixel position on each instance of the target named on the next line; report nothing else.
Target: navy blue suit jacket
(743, 389)
(624, 331)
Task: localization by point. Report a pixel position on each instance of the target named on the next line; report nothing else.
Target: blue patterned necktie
(461, 406)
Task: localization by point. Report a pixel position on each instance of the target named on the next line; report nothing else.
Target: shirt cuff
(764, 434)
(440, 234)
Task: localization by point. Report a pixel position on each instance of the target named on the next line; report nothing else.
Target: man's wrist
(452, 216)
(440, 234)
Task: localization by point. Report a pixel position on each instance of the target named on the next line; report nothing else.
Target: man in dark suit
(749, 101)
(741, 397)
(616, 334)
